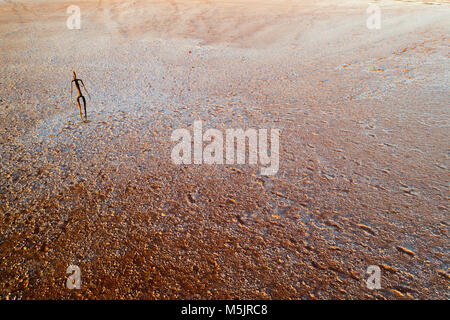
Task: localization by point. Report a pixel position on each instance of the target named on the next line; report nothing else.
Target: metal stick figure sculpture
(80, 95)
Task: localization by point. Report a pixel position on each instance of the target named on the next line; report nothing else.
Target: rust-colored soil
(364, 152)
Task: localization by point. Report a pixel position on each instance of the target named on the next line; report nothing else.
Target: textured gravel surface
(364, 151)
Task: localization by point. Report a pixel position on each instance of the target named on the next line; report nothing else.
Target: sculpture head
(74, 75)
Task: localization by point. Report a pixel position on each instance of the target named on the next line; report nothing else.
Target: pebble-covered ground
(364, 150)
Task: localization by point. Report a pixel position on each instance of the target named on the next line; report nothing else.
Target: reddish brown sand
(364, 150)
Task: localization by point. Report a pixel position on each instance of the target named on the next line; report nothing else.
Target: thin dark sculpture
(80, 95)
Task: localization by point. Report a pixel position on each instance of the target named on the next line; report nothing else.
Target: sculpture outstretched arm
(82, 83)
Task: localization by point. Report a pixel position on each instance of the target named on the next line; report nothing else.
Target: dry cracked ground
(364, 153)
